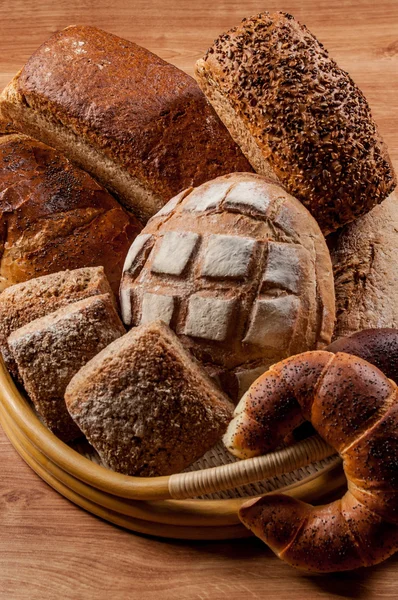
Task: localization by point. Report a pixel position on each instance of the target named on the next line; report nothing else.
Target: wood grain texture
(49, 548)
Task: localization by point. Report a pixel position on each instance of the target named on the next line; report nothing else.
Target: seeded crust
(24, 302)
(146, 406)
(364, 257)
(137, 123)
(55, 216)
(277, 90)
(50, 350)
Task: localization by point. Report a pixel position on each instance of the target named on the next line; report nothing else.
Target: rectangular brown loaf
(141, 126)
(22, 303)
(50, 350)
(146, 406)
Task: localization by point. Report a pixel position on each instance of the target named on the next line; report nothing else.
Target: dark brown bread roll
(377, 346)
(141, 126)
(354, 407)
(297, 116)
(54, 216)
(50, 350)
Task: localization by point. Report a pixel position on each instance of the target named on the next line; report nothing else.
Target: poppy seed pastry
(141, 126)
(298, 117)
(55, 216)
(24, 302)
(146, 406)
(50, 350)
(240, 270)
(364, 257)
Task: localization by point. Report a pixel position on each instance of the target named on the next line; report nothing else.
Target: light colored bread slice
(146, 406)
(50, 350)
(365, 263)
(22, 303)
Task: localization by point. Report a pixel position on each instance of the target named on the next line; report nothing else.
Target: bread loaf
(354, 407)
(50, 350)
(56, 217)
(377, 346)
(141, 126)
(146, 406)
(364, 257)
(239, 270)
(298, 116)
(22, 303)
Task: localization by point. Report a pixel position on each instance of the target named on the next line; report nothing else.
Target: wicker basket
(200, 503)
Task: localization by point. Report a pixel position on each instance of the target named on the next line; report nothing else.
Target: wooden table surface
(49, 548)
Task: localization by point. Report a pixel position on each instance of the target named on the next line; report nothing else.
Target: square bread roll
(50, 350)
(24, 302)
(146, 406)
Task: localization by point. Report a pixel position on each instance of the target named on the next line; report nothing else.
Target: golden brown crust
(146, 406)
(354, 407)
(55, 216)
(311, 122)
(137, 110)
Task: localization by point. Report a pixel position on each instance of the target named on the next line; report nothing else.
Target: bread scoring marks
(207, 197)
(286, 266)
(227, 256)
(209, 318)
(273, 322)
(173, 252)
(135, 252)
(125, 304)
(248, 196)
(172, 204)
(157, 306)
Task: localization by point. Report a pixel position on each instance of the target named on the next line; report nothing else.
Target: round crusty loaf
(240, 270)
(55, 216)
(298, 116)
(364, 257)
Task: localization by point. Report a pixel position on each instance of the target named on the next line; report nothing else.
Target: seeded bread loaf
(297, 116)
(50, 350)
(24, 302)
(146, 406)
(141, 126)
(240, 270)
(365, 263)
(55, 216)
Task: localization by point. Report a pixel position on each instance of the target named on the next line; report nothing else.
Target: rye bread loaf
(365, 262)
(50, 350)
(240, 270)
(141, 126)
(24, 302)
(146, 406)
(298, 116)
(55, 216)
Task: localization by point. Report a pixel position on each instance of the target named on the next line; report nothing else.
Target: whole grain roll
(365, 264)
(55, 216)
(297, 116)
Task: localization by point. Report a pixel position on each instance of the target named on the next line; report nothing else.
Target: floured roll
(239, 270)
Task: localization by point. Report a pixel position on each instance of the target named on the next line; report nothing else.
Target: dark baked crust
(138, 110)
(312, 123)
(54, 216)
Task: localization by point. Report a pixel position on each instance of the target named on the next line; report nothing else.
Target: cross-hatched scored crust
(22, 303)
(139, 124)
(50, 350)
(146, 406)
(297, 114)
